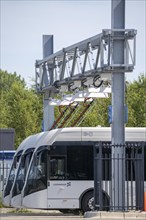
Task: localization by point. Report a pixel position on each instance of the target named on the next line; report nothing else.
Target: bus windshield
(22, 170)
(12, 173)
(37, 177)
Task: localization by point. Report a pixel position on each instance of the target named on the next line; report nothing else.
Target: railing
(132, 171)
(4, 172)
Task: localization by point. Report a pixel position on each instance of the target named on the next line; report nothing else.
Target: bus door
(60, 190)
(71, 174)
(35, 188)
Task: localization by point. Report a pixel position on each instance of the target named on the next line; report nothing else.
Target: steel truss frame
(84, 63)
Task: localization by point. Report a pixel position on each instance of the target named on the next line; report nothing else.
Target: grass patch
(20, 210)
(1, 205)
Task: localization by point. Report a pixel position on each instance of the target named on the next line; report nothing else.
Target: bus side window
(79, 162)
(57, 168)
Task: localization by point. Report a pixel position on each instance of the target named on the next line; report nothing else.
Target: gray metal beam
(118, 99)
(84, 59)
(48, 111)
(47, 45)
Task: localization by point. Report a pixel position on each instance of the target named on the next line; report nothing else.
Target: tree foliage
(22, 109)
(136, 100)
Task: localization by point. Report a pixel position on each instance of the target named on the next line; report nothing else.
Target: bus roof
(80, 134)
(29, 142)
(104, 134)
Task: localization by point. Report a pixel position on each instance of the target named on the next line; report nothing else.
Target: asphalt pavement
(52, 215)
(10, 217)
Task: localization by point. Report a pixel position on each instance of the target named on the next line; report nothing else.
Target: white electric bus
(20, 162)
(10, 179)
(60, 174)
(30, 145)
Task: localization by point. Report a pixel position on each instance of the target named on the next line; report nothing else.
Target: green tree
(6, 81)
(21, 108)
(24, 112)
(136, 100)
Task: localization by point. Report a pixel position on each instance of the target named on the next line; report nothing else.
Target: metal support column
(118, 96)
(48, 114)
(98, 177)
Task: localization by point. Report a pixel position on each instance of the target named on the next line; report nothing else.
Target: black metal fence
(130, 178)
(4, 171)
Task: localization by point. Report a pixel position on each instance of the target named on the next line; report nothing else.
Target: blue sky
(24, 22)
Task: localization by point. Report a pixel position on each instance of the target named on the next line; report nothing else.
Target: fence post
(98, 203)
(139, 178)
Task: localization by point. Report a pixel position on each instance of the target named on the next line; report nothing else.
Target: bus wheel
(88, 202)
